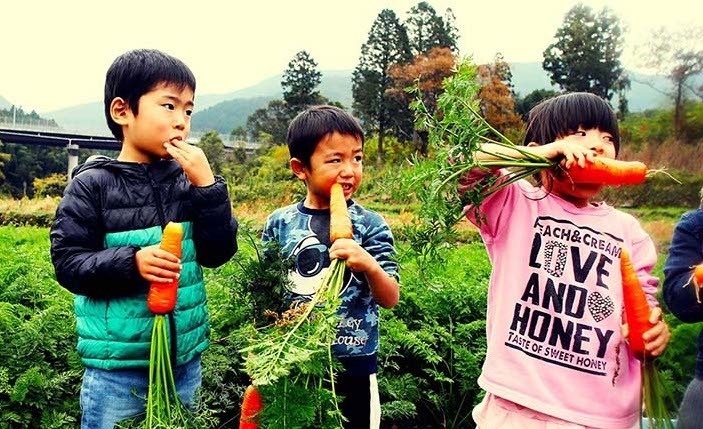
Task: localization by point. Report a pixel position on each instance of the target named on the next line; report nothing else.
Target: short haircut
(138, 72)
(559, 116)
(311, 125)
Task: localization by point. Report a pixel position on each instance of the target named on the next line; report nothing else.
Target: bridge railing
(46, 126)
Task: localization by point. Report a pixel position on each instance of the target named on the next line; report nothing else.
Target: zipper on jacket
(157, 197)
(162, 221)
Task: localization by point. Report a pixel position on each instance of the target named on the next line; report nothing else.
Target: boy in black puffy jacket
(104, 239)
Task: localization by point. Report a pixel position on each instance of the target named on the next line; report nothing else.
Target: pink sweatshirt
(555, 306)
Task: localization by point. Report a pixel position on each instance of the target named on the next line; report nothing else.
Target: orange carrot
(161, 298)
(697, 280)
(251, 405)
(340, 222)
(698, 275)
(656, 398)
(637, 308)
(607, 171)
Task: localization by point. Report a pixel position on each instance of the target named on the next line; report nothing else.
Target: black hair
(311, 125)
(137, 72)
(561, 115)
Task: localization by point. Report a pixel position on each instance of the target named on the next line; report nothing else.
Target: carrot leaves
(290, 360)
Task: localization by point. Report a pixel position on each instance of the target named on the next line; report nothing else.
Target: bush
(50, 186)
(658, 191)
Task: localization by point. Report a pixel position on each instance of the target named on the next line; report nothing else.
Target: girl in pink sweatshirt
(557, 355)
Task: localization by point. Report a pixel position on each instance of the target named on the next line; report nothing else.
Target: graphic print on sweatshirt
(565, 313)
(311, 264)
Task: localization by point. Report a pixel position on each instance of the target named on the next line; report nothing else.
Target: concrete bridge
(74, 141)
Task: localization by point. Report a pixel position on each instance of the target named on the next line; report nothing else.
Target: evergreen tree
(387, 44)
(427, 30)
(300, 82)
(271, 120)
(524, 105)
(586, 53)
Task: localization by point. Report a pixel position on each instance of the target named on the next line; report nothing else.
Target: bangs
(564, 114)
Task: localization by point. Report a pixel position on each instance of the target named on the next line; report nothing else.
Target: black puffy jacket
(111, 209)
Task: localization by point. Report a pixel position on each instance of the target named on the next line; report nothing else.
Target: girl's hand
(571, 153)
(193, 161)
(657, 337)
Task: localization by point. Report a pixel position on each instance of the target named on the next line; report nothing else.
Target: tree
(497, 103)
(272, 120)
(239, 133)
(387, 44)
(427, 30)
(586, 53)
(677, 54)
(300, 82)
(4, 157)
(28, 162)
(427, 71)
(214, 150)
(524, 105)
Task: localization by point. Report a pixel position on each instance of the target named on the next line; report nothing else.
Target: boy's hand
(193, 161)
(157, 265)
(384, 288)
(357, 259)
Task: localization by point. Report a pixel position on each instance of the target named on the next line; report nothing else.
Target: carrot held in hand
(697, 280)
(251, 405)
(161, 298)
(656, 398)
(608, 171)
(163, 405)
(637, 308)
(340, 222)
(698, 275)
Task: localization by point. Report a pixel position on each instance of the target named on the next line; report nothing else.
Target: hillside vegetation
(224, 112)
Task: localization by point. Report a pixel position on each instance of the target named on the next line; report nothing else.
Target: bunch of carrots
(164, 408)
(458, 132)
(658, 403)
(279, 360)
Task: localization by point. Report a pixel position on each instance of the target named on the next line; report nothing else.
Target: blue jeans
(108, 397)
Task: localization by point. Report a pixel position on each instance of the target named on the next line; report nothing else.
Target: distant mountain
(528, 77)
(227, 115)
(224, 112)
(229, 111)
(86, 118)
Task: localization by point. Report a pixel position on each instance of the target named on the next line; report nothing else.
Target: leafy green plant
(433, 346)
(39, 368)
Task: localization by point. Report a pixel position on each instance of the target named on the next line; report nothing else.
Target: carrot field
(433, 341)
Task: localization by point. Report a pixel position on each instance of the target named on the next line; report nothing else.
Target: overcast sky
(54, 54)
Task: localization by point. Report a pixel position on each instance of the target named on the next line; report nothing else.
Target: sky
(54, 54)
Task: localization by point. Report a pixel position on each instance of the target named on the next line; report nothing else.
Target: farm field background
(433, 342)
